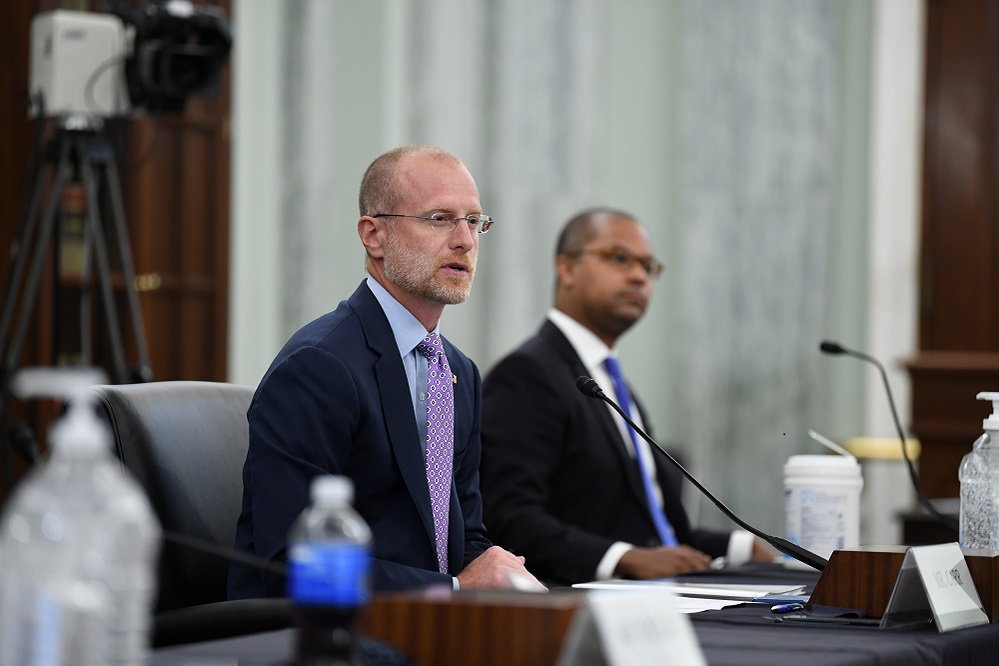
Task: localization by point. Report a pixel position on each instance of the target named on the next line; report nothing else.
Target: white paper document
(718, 591)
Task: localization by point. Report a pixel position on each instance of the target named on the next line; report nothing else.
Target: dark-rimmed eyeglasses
(623, 259)
(448, 222)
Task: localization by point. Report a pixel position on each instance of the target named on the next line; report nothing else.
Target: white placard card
(934, 583)
(630, 629)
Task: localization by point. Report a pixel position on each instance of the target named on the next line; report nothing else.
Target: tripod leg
(144, 371)
(103, 268)
(21, 248)
(44, 238)
(86, 341)
(17, 260)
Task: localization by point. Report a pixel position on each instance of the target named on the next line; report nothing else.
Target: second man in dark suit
(564, 481)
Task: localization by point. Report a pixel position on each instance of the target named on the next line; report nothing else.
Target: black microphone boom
(588, 387)
(224, 552)
(834, 348)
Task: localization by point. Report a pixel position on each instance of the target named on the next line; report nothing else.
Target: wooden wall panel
(175, 185)
(959, 284)
(959, 310)
(180, 213)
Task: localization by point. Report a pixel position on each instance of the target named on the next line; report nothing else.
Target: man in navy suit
(349, 395)
(564, 481)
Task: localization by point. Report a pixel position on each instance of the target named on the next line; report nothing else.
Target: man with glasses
(564, 480)
(373, 392)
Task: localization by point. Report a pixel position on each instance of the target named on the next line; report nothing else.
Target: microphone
(836, 349)
(224, 552)
(588, 387)
(833, 348)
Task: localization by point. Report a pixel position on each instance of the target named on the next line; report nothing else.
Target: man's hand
(648, 563)
(497, 569)
(763, 552)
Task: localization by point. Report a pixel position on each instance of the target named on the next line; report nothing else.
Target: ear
(565, 270)
(372, 233)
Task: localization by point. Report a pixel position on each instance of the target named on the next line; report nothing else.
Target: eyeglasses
(624, 260)
(478, 222)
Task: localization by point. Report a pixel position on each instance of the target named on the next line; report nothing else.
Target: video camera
(137, 58)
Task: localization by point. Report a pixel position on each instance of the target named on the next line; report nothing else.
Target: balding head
(377, 193)
(582, 228)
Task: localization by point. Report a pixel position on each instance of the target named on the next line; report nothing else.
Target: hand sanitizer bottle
(979, 476)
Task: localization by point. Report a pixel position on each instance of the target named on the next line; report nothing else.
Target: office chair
(185, 443)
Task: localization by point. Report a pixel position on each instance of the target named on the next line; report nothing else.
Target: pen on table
(780, 609)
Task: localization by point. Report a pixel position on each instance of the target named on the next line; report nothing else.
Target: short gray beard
(406, 268)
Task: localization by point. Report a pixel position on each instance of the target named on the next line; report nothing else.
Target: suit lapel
(607, 430)
(397, 404)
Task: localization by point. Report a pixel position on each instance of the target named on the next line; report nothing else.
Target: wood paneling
(174, 173)
(959, 279)
(946, 417)
(959, 310)
(497, 628)
(180, 216)
(863, 578)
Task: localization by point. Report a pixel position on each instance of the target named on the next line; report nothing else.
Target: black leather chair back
(185, 442)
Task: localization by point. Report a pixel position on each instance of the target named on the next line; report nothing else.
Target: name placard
(632, 628)
(934, 584)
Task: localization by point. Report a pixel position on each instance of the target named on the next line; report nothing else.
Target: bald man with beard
(358, 392)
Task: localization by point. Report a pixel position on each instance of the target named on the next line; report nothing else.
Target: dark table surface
(741, 635)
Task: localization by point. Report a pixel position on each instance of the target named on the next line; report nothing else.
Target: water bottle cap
(992, 422)
(332, 490)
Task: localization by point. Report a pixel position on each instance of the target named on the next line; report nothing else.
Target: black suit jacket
(336, 401)
(558, 484)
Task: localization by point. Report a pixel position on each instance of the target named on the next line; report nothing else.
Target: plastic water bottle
(134, 547)
(78, 542)
(329, 562)
(979, 476)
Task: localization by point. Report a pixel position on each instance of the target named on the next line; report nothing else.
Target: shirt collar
(406, 328)
(591, 350)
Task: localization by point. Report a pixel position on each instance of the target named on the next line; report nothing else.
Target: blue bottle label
(328, 574)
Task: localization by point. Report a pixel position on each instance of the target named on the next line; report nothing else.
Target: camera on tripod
(137, 58)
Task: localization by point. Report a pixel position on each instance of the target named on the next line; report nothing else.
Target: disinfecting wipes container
(821, 504)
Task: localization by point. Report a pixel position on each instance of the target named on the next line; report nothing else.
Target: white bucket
(821, 504)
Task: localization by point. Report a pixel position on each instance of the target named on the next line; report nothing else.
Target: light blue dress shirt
(408, 332)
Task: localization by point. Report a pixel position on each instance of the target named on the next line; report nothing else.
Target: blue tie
(665, 530)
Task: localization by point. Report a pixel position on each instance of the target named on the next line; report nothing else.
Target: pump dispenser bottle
(78, 541)
(979, 476)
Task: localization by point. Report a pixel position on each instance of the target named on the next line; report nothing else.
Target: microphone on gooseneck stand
(591, 389)
(836, 349)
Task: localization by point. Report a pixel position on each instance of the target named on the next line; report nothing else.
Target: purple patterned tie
(440, 438)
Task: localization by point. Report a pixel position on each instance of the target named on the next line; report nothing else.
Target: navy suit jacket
(336, 401)
(558, 483)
